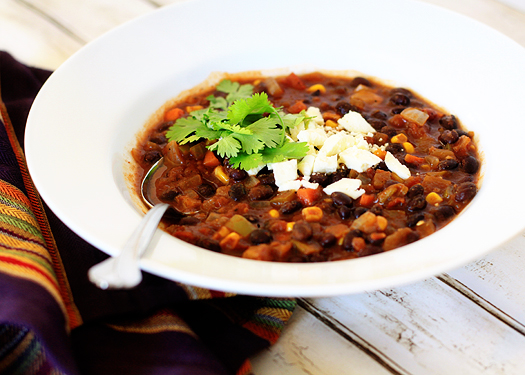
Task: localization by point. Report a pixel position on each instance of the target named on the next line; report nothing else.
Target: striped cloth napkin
(54, 321)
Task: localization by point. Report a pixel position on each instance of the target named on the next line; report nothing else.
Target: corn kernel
(289, 226)
(331, 123)
(230, 241)
(192, 108)
(434, 198)
(312, 214)
(221, 174)
(399, 138)
(256, 82)
(274, 213)
(382, 223)
(409, 148)
(221, 233)
(316, 87)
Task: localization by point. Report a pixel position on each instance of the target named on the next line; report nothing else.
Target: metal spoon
(123, 271)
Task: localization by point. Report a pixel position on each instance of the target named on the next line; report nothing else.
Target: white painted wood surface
(468, 321)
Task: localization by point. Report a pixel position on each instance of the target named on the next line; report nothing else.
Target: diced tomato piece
(297, 107)
(294, 82)
(308, 196)
(210, 160)
(367, 200)
(173, 114)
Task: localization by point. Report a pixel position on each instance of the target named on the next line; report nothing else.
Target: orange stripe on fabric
(245, 369)
(73, 315)
(263, 332)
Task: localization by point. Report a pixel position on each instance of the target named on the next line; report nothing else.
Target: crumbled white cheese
(349, 186)
(395, 166)
(314, 137)
(254, 171)
(337, 143)
(290, 185)
(354, 122)
(309, 185)
(316, 115)
(358, 159)
(306, 165)
(284, 171)
(325, 164)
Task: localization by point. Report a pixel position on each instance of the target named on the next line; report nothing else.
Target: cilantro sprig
(246, 128)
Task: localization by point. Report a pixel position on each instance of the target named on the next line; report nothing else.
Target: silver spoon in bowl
(123, 271)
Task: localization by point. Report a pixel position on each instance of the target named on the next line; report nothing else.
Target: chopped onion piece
(415, 115)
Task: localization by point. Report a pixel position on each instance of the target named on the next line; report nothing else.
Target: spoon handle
(123, 271)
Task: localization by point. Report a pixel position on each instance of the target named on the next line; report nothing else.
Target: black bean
(338, 175)
(210, 244)
(389, 130)
(169, 195)
(345, 212)
(341, 199)
(266, 179)
(370, 250)
(237, 192)
(462, 132)
(347, 241)
(394, 148)
(415, 218)
(448, 164)
(376, 123)
(320, 178)
(382, 165)
(152, 156)
(342, 108)
(302, 231)
(206, 190)
(416, 203)
(442, 213)
(401, 90)
(327, 240)
(376, 210)
(470, 164)
(415, 190)
(448, 122)
(397, 110)
(189, 220)
(448, 137)
(260, 192)
(251, 218)
(400, 99)
(259, 236)
(466, 191)
(158, 138)
(379, 114)
(290, 207)
(360, 81)
(237, 174)
(359, 211)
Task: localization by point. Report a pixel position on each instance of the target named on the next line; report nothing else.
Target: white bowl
(87, 114)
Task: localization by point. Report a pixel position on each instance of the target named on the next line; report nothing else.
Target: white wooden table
(468, 321)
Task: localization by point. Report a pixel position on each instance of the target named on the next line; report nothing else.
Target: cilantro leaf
(267, 130)
(290, 150)
(257, 104)
(226, 146)
(182, 128)
(235, 90)
(246, 162)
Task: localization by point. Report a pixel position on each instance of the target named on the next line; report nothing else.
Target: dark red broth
(246, 216)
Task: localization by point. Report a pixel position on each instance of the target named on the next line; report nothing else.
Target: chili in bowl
(308, 168)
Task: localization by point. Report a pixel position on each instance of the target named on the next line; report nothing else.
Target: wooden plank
(428, 328)
(33, 39)
(308, 346)
(88, 20)
(498, 278)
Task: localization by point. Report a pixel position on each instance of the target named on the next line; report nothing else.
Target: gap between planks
(376, 354)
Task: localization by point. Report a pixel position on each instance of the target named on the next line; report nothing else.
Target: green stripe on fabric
(21, 224)
(8, 201)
